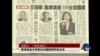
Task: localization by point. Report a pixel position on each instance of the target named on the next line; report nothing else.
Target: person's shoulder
(73, 24)
(49, 18)
(42, 19)
(20, 19)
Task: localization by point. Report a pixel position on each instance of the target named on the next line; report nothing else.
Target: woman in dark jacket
(67, 27)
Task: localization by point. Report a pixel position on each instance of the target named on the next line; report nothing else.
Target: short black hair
(45, 13)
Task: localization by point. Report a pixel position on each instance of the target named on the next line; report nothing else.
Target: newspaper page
(50, 26)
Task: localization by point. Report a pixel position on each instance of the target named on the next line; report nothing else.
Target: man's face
(23, 15)
(46, 15)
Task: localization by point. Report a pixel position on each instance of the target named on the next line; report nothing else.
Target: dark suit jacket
(48, 19)
(20, 19)
(63, 30)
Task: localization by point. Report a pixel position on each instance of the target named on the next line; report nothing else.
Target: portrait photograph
(46, 17)
(67, 26)
(22, 16)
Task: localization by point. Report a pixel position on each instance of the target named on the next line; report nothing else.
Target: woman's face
(22, 15)
(66, 17)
